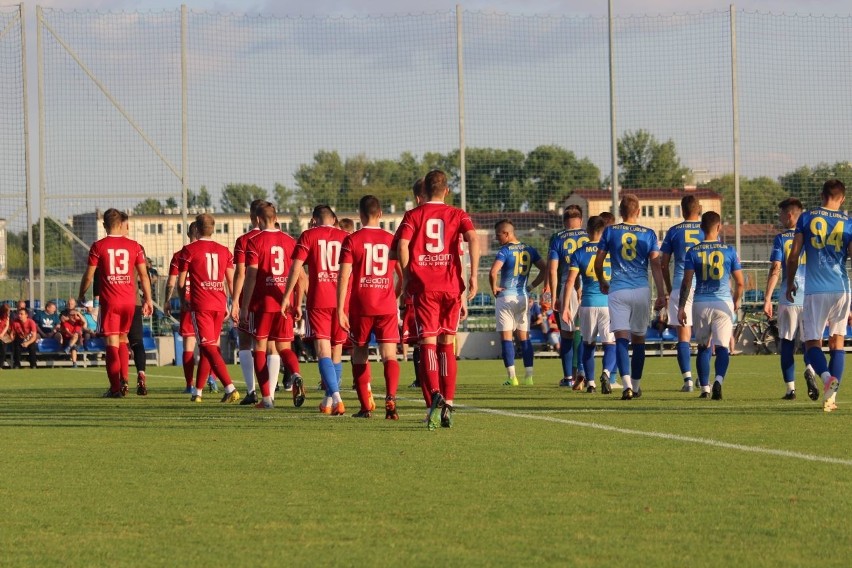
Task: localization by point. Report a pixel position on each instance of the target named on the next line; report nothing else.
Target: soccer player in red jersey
(318, 248)
(365, 261)
(268, 258)
(186, 329)
(430, 256)
(244, 336)
(115, 257)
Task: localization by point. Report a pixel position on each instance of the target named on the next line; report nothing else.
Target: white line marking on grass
(665, 436)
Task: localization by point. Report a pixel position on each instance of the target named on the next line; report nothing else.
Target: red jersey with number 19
(270, 251)
(206, 262)
(319, 248)
(368, 251)
(433, 230)
(116, 258)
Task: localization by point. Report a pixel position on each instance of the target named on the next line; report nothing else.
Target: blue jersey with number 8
(826, 238)
(629, 247)
(713, 263)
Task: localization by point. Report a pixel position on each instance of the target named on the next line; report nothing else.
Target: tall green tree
(150, 206)
(555, 172)
(759, 198)
(237, 197)
(646, 163)
(323, 180)
(494, 178)
(200, 199)
(806, 182)
(171, 202)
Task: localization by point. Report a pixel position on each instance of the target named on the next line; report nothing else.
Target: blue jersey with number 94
(826, 237)
(517, 259)
(629, 247)
(713, 264)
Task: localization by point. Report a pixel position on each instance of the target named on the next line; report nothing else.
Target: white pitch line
(665, 436)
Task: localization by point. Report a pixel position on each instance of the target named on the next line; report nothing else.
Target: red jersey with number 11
(319, 248)
(206, 263)
(270, 251)
(116, 258)
(368, 251)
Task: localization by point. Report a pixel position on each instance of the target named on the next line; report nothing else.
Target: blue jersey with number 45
(826, 237)
(780, 251)
(583, 261)
(713, 264)
(629, 247)
(517, 259)
(677, 241)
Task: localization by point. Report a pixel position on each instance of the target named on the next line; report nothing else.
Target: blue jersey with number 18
(679, 239)
(517, 259)
(826, 237)
(629, 247)
(713, 264)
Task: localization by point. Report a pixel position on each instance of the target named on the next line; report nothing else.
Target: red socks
(361, 376)
(290, 361)
(188, 367)
(429, 381)
(261, 370)
(113, 368)
(448, 369)
(391, 377)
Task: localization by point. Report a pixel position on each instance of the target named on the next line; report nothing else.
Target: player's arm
(542, 273)
(170, 289)
(665, 260)
(181, 277)
(147, 302)
(229, 282)
(600, 257)
(85, 282)
(398, 286)
(771, 281)
(553, 275)
(343, 287)
(493, 276)
(292, 280)
(793, 265)
(657, 272)
(473, 279)
(685, 290)
(249, 283)
(739, 286)
(566, 294)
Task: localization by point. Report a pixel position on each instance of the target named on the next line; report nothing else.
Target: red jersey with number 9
(368, 251)
(433, 230)
(206, 263)
(270, 251)
(116, 258)
(319, 248)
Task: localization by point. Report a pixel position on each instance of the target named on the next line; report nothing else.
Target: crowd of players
(349, 284)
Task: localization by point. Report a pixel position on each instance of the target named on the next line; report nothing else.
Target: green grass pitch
(527, 476)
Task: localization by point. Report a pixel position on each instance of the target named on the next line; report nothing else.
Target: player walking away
(824, 234)
(210, 267)
(594, 314)
(789, 313)
(318, 249)
(562, 245)
(185, 327)
(365, 263)
(631, 247)
(268, 255)
(244, 337)
(679, 239)
(430, 257)
(115, 257)
(713, 264)
(508, 278)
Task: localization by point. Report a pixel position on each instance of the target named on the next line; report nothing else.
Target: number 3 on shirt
(628, 246)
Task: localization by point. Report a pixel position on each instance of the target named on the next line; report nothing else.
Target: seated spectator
(24, 334)
(5, 333)
(47, 321)
(21, 305)
(550, 327)
(71, 327)
(535, 315)
(91, 318)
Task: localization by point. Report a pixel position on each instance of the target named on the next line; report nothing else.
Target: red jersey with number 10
(206, 262)
(271, 252)
(116, 258)
(433, 230)
(372, 289)
(319, 248)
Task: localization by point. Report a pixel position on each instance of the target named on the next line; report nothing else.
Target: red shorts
(271, 325)
(385, 327)
(208, 326)
(409, 325)
(115, 320)
(437, 313)
(323, 324)
(186, 327)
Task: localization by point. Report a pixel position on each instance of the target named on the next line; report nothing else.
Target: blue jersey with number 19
(826, 237)
(583, 261)
(517, 259)
(780, 251)
(629, 247)
(679, 239)
(713, 264)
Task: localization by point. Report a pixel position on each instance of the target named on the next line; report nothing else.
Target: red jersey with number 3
(116, 258)
(319, 248)
(433, 230)
(371, 289)
(206, 263)
(271, 251)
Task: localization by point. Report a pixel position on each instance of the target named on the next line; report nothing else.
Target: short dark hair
(572, 212)
(609, 218)
(265, 211)
(709, 220)
(833, 188)
(204, 224)
(369, 206)
(112, 218)
(595, 224)
(629, 205)
(417, 188)
(435, 183)
(791, 203)
(255, 205)
(191, 228)
(504, 221)
(689, 205)
(323, 213)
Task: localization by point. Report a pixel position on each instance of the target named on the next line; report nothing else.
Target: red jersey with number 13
(319, 248)
(271, 252)
(433, 230)
(372, 289)
(206, 262)
(116, 258)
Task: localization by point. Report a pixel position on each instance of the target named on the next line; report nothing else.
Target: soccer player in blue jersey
(789, 313)
(679, 239)
(713, 264)
(562, 245)
(594, 314)
(631, 248)
(824, 233)
(508, 277)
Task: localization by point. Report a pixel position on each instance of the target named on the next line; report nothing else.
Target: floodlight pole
(736, 127)
(612, 132)
(28, 185)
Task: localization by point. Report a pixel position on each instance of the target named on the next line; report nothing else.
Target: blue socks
(837, 357)
(329, 375)
(528, 353)
(702, 365)
(788, 362)
(817, 360)
(722, 359)
(637, 362)
(508, 349)
(683, 360)
(609, 361)
(566, 353)
(622, 356)
(338, 370)
(589, 360)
